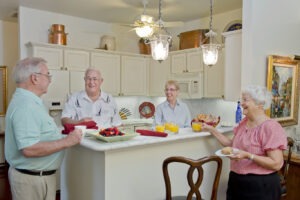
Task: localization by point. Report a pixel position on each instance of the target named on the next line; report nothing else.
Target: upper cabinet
(134, 75)
(110, 68)
(61, 58)
(232, 67)
(214, 78)
(159, 73)
(51, 53)
(186, 61)
(76, 59)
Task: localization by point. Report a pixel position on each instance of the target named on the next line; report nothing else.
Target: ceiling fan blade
(173, 24)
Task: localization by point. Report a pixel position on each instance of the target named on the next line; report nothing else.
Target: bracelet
(251, 157)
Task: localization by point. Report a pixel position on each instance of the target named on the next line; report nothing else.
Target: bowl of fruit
(207, 119)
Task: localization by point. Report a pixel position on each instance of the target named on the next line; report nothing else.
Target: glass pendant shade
(144, 31)
(211, 50)
(210, 53)
(160, 47)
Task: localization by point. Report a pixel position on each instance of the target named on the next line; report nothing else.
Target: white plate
(125, 137)
(219, 152)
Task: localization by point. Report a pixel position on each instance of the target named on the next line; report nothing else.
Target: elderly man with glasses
(33, 144)
(92, 104)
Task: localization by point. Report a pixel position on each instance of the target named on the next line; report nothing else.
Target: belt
(36, 173)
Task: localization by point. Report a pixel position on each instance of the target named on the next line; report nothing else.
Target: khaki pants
(29, 187)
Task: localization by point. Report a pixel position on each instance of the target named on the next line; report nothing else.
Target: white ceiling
(121, 11)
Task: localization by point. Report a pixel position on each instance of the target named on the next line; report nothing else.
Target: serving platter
(126, 136)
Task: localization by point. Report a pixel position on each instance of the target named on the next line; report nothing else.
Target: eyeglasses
(90, 79)
(170, 89)
(49, 76)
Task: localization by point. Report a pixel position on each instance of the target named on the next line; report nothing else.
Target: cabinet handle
(61, 68)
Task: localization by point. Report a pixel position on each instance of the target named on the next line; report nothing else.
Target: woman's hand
(206, 127)
(239, 155)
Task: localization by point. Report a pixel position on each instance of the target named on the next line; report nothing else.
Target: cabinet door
(109, 66)
(77, 82)
(195, 61)
(76, 59)
(133, 75)
(214, 79)
(159, 73)
(178, 63)
(58, 88)
(53, 56)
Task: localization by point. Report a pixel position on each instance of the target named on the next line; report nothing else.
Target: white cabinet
(76, 59)
(67, 67)
(134, 75)
(110, 68)
(159, 73)
(232, 68)
(214, 78)
(187, 62)
(124, 75)
(60, 57)
(52, 54)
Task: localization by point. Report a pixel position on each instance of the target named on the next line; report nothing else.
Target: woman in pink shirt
(260, 142)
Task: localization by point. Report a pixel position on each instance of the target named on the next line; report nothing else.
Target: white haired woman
(261, 141)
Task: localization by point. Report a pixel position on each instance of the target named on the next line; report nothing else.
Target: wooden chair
(194, 186)
(284, 170)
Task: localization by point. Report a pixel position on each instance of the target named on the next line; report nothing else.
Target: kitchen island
(132, 170)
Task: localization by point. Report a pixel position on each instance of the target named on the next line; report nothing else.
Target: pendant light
(210, 50)
(160, 41)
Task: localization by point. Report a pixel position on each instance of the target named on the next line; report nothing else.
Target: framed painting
(3, 89)
(284, 82)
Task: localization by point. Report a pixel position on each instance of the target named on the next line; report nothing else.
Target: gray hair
(259, 94)
(24, 68)
(93, 69)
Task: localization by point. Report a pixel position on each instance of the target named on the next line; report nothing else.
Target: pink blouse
(258, 140)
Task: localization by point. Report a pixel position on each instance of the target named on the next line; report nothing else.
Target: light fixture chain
(159, 13)
(210, 24)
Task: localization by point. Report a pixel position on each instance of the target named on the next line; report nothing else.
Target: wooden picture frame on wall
(283, 80)
(3, 90)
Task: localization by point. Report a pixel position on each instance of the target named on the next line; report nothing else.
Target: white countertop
(137, 121)
(184, 133)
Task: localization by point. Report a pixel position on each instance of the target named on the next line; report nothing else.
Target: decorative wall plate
(147, 109)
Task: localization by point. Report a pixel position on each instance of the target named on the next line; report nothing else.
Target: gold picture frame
(284, 82)
(3, 90)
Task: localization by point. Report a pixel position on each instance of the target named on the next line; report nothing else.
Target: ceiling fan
(145, 25)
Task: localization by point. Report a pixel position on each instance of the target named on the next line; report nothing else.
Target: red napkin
(70, 127)
(151, 133)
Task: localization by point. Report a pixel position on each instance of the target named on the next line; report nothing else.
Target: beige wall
(9, 53)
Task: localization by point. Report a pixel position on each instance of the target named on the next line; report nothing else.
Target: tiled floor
(5, 193)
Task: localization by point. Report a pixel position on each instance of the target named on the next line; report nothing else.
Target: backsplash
(218, 107)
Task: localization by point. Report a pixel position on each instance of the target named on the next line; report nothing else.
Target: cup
(160, 128)
(172, 127)
(197, 126)
(82, 128)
